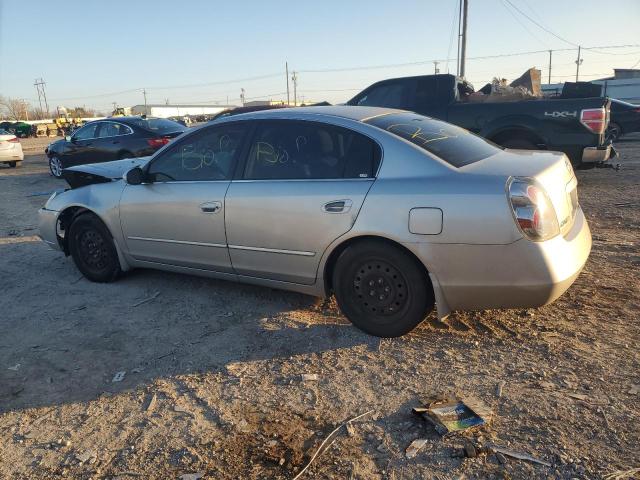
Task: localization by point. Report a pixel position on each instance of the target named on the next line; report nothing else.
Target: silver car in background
(391, 211)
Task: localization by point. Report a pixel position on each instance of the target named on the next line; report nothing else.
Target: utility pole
(242, 96)
(578, 63)
(115, 106)
(286, 67)
(463, 43)
(144, 92)
(294, 78)
(436, 70)
(550, 53)
(42, 95)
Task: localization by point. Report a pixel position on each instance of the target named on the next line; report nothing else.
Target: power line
(539, 25)
(522, 24)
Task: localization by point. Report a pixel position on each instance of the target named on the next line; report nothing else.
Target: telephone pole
(144, 92)
(286, 68)
(463, 36)
(550, 53)
(42, 95)
(294, 78)
(578, 63)
(436, 70)
(242, 96)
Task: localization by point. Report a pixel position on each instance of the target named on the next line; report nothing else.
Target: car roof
(359, 114)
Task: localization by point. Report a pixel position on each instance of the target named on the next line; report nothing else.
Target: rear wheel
(55, 166)
(13, 164)
(92, 249)
(614, 132)
(381, 289)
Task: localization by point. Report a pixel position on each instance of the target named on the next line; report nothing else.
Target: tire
(614, 132)
(519, 143)
(92, 249)
(55, 166)
(13, 164)
(381, 289)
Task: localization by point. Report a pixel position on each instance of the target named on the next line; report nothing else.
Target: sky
(93, 53)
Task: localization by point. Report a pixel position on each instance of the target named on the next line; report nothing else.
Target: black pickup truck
(574, 126)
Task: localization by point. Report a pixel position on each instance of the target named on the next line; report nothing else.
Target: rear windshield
(452, 144)
(158, 125)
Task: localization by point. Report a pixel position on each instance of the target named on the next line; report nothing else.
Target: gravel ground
(214, 381)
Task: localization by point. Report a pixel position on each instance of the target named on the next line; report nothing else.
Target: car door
(177, 216)
(109, 141)
(301, 187)
(80, 148)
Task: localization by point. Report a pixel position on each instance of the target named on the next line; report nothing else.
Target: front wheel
(381, 289)
(92, 249)
(55, 166)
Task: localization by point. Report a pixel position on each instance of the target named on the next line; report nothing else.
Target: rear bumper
(47, 222)
(600, 154)
(523, 274)
(13, 155)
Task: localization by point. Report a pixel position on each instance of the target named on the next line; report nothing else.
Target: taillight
(14, 140)
(532, 209)
(595, 119)
(158, 142)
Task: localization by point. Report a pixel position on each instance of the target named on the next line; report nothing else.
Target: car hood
(82, 175)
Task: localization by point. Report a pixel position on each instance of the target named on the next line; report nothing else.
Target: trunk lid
(552, 170)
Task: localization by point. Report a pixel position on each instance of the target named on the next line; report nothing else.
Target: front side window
(454, 145)
(284, 150)
(203, 156)
(87, 132)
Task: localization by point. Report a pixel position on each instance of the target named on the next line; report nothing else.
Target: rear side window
(454, 145)
(159, 126)
(285, 150)
(390, 95)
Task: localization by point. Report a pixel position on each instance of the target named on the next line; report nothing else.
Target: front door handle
(337, 206)
(211, 207)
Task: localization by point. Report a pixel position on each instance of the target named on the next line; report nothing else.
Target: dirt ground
(214, 384)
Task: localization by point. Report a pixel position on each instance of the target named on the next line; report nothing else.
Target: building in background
(623, 85)
(165, 111)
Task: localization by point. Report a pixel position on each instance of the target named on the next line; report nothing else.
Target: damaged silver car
(391, 211)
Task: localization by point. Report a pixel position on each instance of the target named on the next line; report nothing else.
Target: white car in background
(10, 149)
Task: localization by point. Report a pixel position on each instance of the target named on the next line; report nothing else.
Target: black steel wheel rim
(380, 288)
(93, 250)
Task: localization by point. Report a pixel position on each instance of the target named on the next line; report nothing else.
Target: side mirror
(135, 176)
(68, 138)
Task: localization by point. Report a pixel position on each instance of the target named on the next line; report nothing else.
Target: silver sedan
(391, 211)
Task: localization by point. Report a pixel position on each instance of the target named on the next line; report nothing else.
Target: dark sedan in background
(625, 118)
(111, 139)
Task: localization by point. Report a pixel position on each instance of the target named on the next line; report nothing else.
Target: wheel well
(64, 221)
(333, 257)
(520, 133)
(125, 154)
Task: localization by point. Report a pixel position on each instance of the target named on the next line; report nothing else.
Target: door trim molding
(182, 242)
(273, 250)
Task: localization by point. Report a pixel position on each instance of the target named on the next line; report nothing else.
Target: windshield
(158, 125)
(454, 145)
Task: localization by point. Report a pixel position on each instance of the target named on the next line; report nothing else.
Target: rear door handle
(211, 207)
(337, 206)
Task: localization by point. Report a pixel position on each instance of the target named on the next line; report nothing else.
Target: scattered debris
(152, 297)
(186, 412)
(578, 396)
(500, 387)
(310, 377)
(518, 455)
(634, 390)
(15, 367)
(192, 476)
(413, 449)
(88, 456)
(324, 442)
(622, 474)
(118, 377)
(449, 415)
(151, 404)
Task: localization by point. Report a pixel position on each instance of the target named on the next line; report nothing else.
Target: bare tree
(15, 108)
